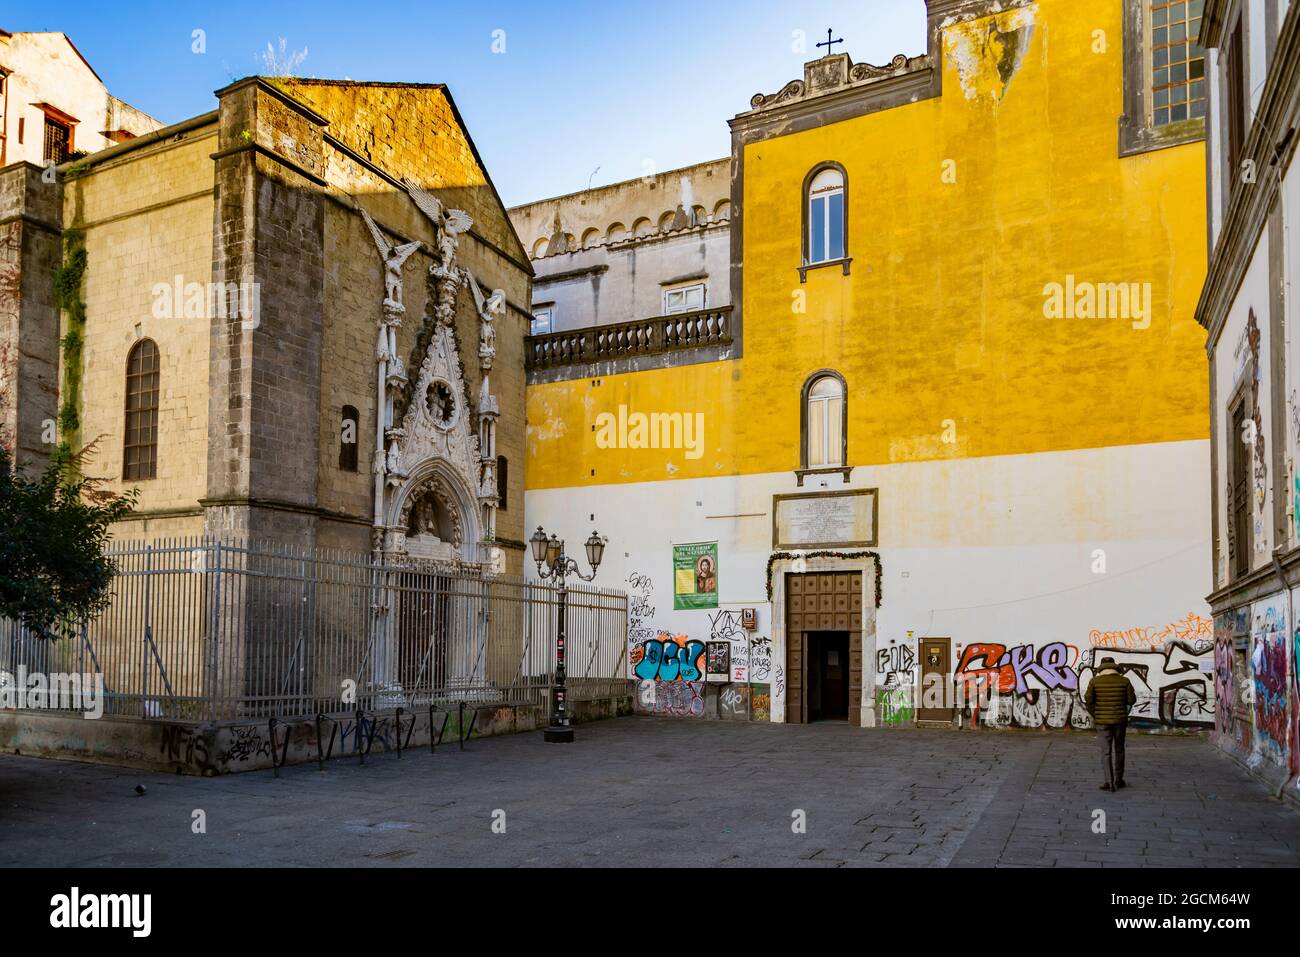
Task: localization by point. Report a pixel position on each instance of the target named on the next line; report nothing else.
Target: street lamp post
(548, 552)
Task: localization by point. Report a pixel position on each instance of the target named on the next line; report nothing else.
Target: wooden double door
(823, 642)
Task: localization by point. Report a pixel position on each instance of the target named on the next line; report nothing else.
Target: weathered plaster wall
(1242, 370)
(1012, 450)
(1015, 570)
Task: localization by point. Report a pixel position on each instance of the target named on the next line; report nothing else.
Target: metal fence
(200, 629)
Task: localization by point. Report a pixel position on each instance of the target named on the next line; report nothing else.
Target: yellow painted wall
(942, 316)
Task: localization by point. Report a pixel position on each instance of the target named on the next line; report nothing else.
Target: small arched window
(503, 482)
(825, 237)
(825, 421)
(348, 438)
(140, 442)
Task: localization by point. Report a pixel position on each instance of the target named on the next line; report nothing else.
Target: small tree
(54, 574)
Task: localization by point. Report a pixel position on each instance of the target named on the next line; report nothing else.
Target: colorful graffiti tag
(894, 704)
(1195, 630)
(1268, 638)
(1225, 716)
(671, 658)
(679, 699)
(1035, 687)
(1021, 687)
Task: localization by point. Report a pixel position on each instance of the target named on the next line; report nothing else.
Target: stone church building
(302, 318)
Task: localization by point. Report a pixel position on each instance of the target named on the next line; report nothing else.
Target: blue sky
(581, 89)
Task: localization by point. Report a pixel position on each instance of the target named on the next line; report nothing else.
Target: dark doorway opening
(828, 675)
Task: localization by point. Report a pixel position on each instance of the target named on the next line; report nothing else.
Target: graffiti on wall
(679, 699)
(1173, 688)
(1268, 652)
(1035, 687)
(760, 660)
(246, 742)
(1194, 629)
(670, 658)
(1226, 680)
(1295, 702)
(896, 662)
(185, 745)
(894, 704)
(760, 702)
(725, 626)
(640, 616)
(1021, 686)
(733, 702)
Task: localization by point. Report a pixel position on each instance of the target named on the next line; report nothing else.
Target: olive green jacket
(1109, 697)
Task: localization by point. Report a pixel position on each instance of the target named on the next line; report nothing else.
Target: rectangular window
(1239, 530)
(835, 237)
(817, 248)
(348, 444)
(58, 140)
(817, 436)
(684, 299)
(541, 322)
(1177, 61)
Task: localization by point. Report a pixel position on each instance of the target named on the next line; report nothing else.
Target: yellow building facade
(1004, 315)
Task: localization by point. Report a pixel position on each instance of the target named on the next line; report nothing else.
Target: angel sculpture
(450, 223)
(492, 309)
(393, 257)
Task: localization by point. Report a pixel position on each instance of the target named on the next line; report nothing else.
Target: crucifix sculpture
(829, 42)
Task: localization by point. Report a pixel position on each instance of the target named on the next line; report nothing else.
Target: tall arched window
(140, 442)
(825, 228)
(825, 421)
(503, 482)
(348, 437)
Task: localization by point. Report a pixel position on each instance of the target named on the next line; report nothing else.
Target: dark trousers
(1112, 751)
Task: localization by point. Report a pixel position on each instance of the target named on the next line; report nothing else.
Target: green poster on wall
(695, 576)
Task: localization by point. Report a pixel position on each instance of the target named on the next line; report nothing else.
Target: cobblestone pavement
(656, 791)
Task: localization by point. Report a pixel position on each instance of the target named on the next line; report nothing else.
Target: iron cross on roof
(829, 42)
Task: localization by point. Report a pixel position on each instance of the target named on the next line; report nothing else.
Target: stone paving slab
(644, 791)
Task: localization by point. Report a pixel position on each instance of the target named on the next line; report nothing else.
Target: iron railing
(201, 629)
(644, 337)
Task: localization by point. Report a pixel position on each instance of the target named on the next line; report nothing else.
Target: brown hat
(1108, 661)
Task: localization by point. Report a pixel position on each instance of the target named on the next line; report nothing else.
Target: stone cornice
(1260, 583)
(1270, 144)
(806, 109)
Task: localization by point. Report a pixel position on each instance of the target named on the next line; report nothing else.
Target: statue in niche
(424, 518)
(492, 310)
(393, 256)
(432, 530)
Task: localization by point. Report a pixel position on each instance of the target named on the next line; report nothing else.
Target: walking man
(1108, 698)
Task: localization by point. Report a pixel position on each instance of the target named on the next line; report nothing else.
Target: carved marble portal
(435, 458)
